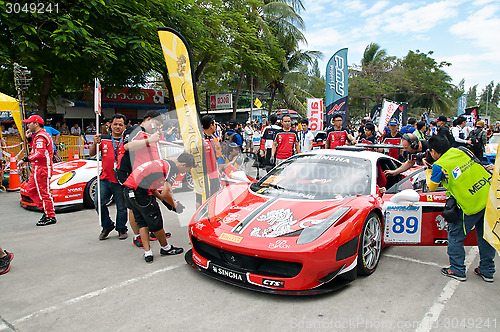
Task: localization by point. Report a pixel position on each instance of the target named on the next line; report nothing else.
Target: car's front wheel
(370, 245)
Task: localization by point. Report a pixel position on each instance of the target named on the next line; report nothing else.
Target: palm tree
(373, 55)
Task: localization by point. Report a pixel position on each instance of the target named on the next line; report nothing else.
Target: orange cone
(76, 155)
(70, 155)
(14, 181)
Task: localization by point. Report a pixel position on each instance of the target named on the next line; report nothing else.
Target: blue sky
(464, 33)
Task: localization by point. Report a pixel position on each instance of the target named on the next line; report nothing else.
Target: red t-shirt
(285, 142)
(112, 151)
(336, 137)
(145, 154)
(396, 140)
(210, 157)
(152, 174)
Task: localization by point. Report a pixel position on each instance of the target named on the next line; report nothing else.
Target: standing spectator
(90, 130)
(42, 151)
(410, 127)
(338, 135)
(443, 129)
(361, 129)
(369, 136)
(248, 132)
(141, 191)
(478, 139)
(421, 129)
(285, 140)
(75, 130)
(471, 205)
(306, 136)
(458, 133)
(491, 131)
(433, 128)
(226, 161)
(58, 127)
(5, 259)
(235, 133)
(64, 129)
(209, 150)
(267, 140)
(56, 136)
(497, 128)
(393, 137)
(112, 151)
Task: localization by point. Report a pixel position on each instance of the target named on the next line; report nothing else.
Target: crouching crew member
(468, 182)
(141, 191)
(37, 188)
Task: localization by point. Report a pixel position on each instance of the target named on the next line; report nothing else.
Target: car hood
(239, 210)
(68, 166)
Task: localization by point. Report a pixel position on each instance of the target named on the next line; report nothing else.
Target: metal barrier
(74, 143)
(13, 143)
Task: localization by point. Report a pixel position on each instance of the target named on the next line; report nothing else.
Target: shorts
(214, 187)
(145, 208)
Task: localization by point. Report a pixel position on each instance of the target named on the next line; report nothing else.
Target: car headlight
(310, 234)
(66, 177)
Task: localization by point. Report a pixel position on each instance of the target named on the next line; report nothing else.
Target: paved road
(64, 279)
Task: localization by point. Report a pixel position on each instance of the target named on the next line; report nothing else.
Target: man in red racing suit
(38, 186)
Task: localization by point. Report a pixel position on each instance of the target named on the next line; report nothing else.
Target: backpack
(475, 137)
(226, 143)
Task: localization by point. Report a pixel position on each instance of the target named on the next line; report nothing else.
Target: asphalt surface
(64, 279)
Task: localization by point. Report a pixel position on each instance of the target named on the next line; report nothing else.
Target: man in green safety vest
(469, 183)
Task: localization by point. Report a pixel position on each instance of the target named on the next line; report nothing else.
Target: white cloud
(376, 8)
(471, 67)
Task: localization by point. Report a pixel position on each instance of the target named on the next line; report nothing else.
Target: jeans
(456, 236)
(109, 189)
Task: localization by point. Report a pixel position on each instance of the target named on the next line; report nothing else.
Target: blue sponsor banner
(462, 104)
(336, 86)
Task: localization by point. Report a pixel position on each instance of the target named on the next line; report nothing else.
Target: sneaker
(42, 218)
(47, 221)
(104, 233)
(138, 242)
(152, 237)
(485, 278)
(172, 251)
(122, 235)
(148, 259)
(449, 273)
(5, 262)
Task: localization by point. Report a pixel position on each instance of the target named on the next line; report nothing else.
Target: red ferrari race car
(314, 222)
(73, 183)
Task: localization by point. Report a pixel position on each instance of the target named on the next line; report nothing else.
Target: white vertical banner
(388, 109)
(315, 113)
(97, 110)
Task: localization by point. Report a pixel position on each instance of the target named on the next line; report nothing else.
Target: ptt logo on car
(273, 283)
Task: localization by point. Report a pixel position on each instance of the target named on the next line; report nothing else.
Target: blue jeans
(109, 189)
(456, 236)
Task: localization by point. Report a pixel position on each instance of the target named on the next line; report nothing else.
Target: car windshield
(494, 139)
(317, 177)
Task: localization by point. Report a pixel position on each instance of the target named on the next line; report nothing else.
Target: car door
(413, 214)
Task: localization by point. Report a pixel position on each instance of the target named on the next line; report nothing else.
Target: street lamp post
(22, 81)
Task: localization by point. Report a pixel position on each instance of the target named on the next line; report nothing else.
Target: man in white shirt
(306, 136)
(458, 133)
(248, 133)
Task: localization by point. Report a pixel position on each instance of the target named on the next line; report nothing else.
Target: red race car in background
(73, 183)
(314, 222)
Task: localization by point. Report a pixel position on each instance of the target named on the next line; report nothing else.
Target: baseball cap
(443, 118)
(34, 118)
(393, 122)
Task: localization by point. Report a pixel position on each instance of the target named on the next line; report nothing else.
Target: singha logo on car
(227, 273)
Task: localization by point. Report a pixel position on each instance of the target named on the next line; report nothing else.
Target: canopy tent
(11, 105)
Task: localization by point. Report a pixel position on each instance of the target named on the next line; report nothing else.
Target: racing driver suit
(38, 186)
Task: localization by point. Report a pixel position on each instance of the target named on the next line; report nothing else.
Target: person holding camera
(469, 183)
(417, 153)
(141, 191)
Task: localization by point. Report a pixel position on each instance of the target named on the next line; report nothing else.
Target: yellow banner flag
(492, 216)
(257, 103)
(178, 60)
(10, 104)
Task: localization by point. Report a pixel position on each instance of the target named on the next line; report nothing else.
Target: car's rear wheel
(89, 193)
(370, 245)
(188, 182)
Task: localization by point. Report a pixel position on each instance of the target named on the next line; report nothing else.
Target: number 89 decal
(402, 223)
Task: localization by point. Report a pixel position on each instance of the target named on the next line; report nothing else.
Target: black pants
(145, 209)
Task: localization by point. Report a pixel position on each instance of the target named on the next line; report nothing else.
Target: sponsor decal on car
(199, 225)
(273, 283)
(230, 238)
(228, 273)
(75, 189)
(280, 221)
(69, 196)
(279, 244)
(440, 241)
(431, 198)
(231, 217)
(440, 222)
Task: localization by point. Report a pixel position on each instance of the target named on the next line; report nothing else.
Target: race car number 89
(402, 223)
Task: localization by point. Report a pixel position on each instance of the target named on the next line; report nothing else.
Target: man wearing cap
(248, 133)
(443, 130)
(42, 151)
(393, 137)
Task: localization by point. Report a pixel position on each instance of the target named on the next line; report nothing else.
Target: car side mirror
(408, 195)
